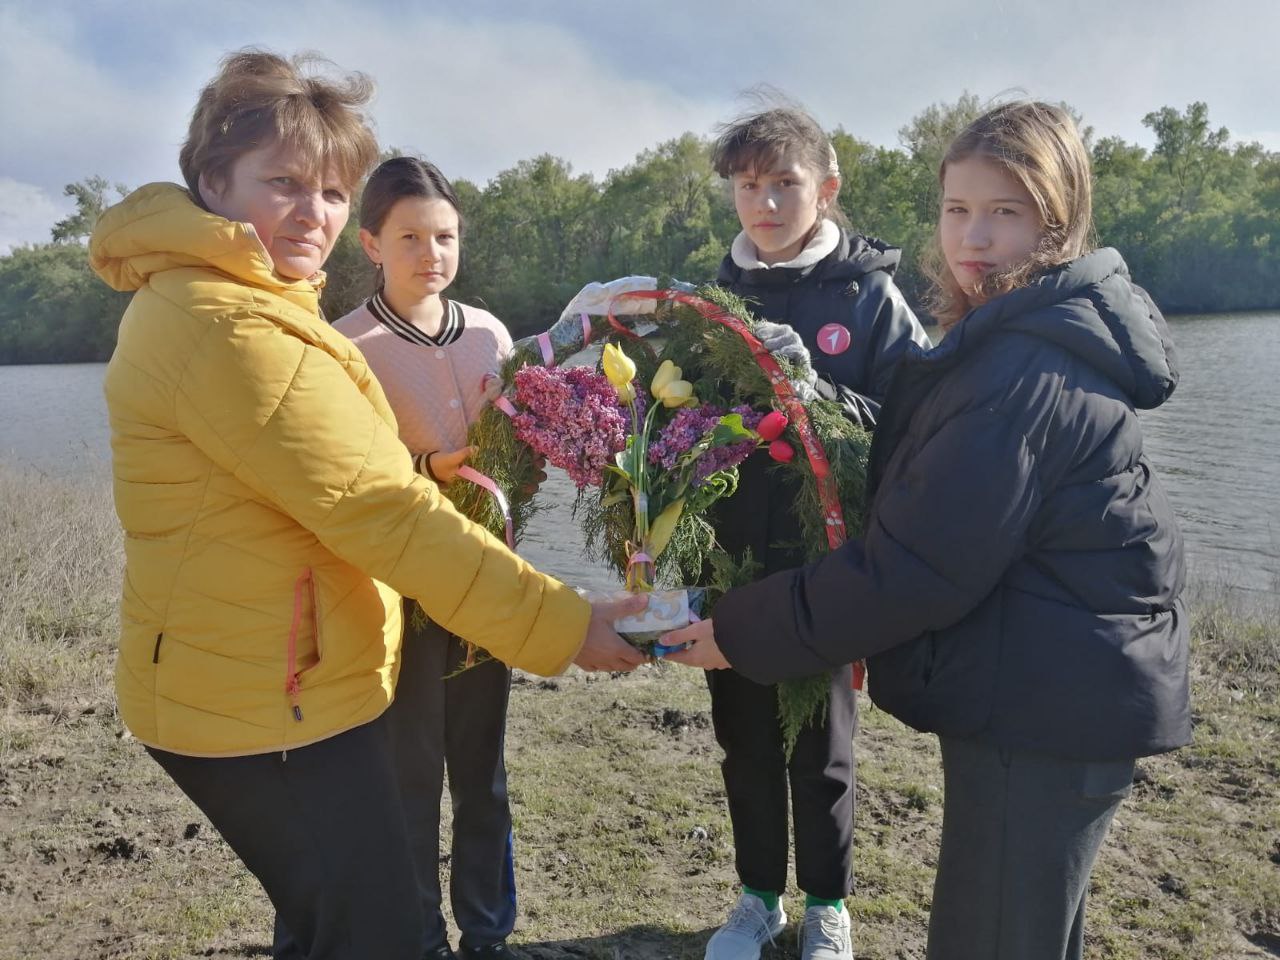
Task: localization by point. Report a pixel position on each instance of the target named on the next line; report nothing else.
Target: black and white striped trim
(449, 332)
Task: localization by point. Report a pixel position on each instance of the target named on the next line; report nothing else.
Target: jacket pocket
(306, 616)
(929, 657)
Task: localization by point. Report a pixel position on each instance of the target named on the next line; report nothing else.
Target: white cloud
(27, 212)
(478, 96)
(107, 89)
(74, 118)
(1270, 139)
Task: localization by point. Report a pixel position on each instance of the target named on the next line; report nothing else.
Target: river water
(1216, 445)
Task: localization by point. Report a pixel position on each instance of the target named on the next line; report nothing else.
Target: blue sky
(107, 87)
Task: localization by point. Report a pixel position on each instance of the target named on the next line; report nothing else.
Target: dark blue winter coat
(851, 287)
(1020, 576)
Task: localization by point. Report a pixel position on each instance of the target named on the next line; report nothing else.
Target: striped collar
(450, 330)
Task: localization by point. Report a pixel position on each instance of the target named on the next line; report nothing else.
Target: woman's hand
(538, 479)
(443, 464)
(604, 649)
(703, 651)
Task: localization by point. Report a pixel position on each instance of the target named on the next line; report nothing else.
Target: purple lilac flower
(680, 434)
(642, 399)
(691, 424)
(572, 416)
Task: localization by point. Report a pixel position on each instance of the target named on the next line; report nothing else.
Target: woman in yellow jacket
(272, 518)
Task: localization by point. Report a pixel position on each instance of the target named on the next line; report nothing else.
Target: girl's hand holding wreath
(443, 464)
(702, 650)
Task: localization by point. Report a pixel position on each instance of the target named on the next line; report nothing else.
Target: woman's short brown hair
(260, 98)
(1038, 145)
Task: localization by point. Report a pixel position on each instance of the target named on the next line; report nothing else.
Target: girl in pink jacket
(432, 356)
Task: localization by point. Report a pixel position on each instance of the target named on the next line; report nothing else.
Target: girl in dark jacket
(826, 297)
(1018, 587)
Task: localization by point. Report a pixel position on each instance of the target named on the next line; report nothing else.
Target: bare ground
(623, 846)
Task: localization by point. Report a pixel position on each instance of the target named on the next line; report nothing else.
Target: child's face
(779, 208)
(296, 215)
(417, 247)
(989, 221)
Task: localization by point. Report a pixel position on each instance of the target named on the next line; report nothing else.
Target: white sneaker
(745, 932)
(824, 935)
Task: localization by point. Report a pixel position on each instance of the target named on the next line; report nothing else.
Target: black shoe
(492, 951)
(442, 952)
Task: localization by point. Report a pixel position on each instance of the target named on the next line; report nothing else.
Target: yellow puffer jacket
(270, 512)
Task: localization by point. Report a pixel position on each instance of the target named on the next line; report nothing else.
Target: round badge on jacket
(834, 338)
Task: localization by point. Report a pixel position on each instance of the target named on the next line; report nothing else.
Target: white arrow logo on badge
(834, 338)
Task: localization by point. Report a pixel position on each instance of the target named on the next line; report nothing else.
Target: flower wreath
(708, 335)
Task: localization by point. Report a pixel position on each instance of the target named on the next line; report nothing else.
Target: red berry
(782, 451)
(772, 425)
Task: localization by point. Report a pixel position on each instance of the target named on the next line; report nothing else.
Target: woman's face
(297, 216)
(989, 221)
(417, 247)
(778, 209)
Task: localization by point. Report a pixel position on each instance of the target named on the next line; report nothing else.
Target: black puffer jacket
(852, 287)
(1020, 577)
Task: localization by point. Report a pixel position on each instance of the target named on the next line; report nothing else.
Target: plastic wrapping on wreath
(667, 610)
(571, 332)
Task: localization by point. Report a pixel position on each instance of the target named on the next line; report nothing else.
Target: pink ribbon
(487, 483)
(544, 344)
(506, 406)
(586, 329)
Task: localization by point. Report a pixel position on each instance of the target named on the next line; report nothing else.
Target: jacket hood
(158, 227)
(854, 256)
(1092, 309)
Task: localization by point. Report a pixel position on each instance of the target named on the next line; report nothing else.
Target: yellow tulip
(663, 527)
(665, 375)
(627, 393)
(618, 367)
(677, 393)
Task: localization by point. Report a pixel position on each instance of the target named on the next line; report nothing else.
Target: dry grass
(60, 561)
(623, 845)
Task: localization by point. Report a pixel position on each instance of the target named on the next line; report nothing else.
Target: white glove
(782, 340)
(596, 299)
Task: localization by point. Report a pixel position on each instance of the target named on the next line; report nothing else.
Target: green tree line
(1197, 217)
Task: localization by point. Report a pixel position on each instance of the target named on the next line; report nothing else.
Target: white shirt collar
(825, 239)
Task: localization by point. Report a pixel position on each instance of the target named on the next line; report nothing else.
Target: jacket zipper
(303, 586)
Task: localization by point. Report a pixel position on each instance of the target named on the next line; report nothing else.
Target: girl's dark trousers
(458, 724)
(757, 776)
(1020, 834)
